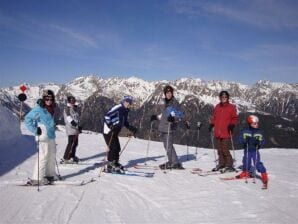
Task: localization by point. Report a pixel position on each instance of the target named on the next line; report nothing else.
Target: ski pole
(168, 136)
(58, 169)
(148, 145)
(107, 151)
(255, 164)
(212, 142)
(199, 125)
(187, 151)
(38, 179)
(129, 138)
(233, 148)
(247, 160)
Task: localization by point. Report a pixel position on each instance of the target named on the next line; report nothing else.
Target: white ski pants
(47, 160)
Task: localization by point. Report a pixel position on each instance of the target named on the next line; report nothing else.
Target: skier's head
(224, 96)
(127, 101)
(71, 99)
(48, 97)
(168, 91)
(253, 121)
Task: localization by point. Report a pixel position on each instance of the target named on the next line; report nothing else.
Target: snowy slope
(174, 197)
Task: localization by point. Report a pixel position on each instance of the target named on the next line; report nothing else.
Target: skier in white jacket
(71, 119)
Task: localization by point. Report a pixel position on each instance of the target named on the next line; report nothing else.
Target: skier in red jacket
(224, 121)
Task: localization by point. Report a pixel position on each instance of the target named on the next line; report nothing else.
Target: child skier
(114, 119)
(252, 140)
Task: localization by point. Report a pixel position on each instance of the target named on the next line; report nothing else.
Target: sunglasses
(254, 123)
(48, 99)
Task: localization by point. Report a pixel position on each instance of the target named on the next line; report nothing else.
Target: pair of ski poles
(108, 149)
(199, 125)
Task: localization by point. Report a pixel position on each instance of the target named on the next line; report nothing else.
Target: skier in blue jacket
(114, 120)
(252, 140)
(40, 122)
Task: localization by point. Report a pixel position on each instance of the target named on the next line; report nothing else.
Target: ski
(60, 182)
(233, 178)
(133, 173)
(143, 166)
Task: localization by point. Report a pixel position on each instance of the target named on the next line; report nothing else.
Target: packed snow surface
(177, 196)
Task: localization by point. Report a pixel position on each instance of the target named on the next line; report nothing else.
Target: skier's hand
(80, 128)
(171, 118)
(38, 131)
(73, 123)
(257, 143)
(199, 125)
(231, 128)
(210, 127)
(187, 124)
(133, 130)
(153, 118)
(246, 140)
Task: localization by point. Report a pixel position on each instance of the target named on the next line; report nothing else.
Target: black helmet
(70, 98)
(224, 93)
(48, 93)
(168, 88)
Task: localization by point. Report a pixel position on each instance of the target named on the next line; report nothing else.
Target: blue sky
(58, 40)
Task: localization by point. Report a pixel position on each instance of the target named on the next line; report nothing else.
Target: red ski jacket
(224, 115)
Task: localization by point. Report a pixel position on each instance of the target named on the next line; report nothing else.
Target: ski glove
(246, 140)
(231, 128)
(115, 129)
(38, 131)
(80, 128)
(210, 127)
(187, 124)
(171, 118)
(153, 118)
(73, 123)
(133, 130)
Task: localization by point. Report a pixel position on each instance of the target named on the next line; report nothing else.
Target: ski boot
(217, 168)
(177, 166)
(113, 168)
(43, 181)
(165, 166)
(75, 159)
(227, 169)
(243, 175)
(265, 180)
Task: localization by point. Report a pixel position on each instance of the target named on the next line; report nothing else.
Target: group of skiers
(40, 121)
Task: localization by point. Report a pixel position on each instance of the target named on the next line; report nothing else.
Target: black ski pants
(113, 144)
(71, 148)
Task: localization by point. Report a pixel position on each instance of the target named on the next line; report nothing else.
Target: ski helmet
(252, 119)
(128, 99)
(168, 88)
(224, 93)
(70, 98)
(48, 93)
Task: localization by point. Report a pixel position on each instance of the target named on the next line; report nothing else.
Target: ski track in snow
(176, 196)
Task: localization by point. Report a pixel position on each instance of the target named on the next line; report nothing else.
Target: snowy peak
(261, 96)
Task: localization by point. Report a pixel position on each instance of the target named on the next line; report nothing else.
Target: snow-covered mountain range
(279, 99)
(197, 97)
